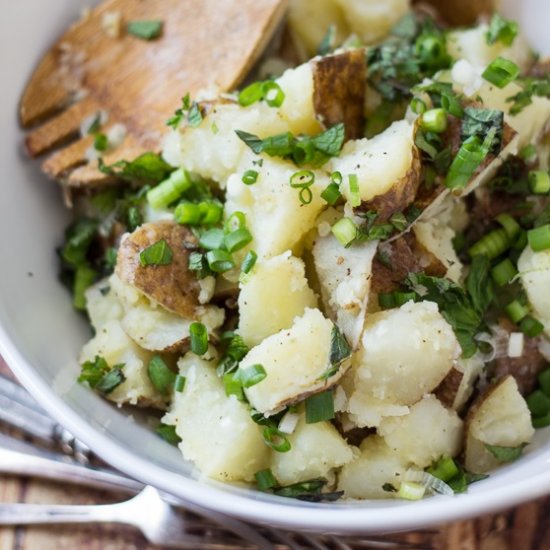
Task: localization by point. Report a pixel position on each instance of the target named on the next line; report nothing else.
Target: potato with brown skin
(461, 13)
(401, 195)
(339, 87)
(173, 286)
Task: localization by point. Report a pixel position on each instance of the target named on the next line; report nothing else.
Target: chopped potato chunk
(275, 293)
(295, 361)
(217, 432)
(427, 433)
(316, 449)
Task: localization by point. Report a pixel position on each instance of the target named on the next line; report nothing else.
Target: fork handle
(17, 463)
(40, 514)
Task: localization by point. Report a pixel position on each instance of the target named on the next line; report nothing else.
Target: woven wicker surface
(522, 528)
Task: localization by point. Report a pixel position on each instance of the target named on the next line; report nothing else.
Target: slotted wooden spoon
(138, 83)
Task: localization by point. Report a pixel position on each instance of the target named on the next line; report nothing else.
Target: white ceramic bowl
(40, 335)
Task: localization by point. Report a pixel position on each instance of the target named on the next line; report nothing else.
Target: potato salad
(333, 282)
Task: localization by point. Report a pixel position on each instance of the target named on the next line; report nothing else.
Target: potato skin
(401, 194)
(461, 13)
(339, 87)
(173, 286)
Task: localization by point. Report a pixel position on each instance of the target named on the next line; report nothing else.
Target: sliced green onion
(469, 157)
(250, 376)
(250, 177)
(249, 261)
(320, 407)
(158, 253)
(276, 439)
(432, 50)
(418, 106)
(504, 272)
(528, 153)
(539, 238)
(251, 94)
(199, 338)
(160, 375)
(187, 213)
(411, 490)
(211, 212)
(501, 72)
(331, 194)
(539, 182)
(84, 278)
(305, 195)
(233, 387)
(531, 327)
(511, 226)
(354, 197)
(101, 142)
(272, 93)
(265, 480)
(213, 239)
(492, 245)
(445, 469)
(169, 190)
(544, 381)
(234, 222)
(538, 403)
(219, 261)
(345, 231)
(434, 120)
(301, 179)
(516, 311)
(336, 177)
(179, 383)
(238, 239)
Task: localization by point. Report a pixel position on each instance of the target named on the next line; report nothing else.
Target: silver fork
(158, 516)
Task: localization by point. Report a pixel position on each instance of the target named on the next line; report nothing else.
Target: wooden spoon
(138, 83)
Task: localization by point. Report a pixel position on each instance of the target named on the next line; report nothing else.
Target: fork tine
(47, 92)
(68, 158)
(61, 128)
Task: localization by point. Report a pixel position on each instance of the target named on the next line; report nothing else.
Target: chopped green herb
(194, 117)
(199, 264)
(505, 454)
(235, 351)
(147, 168)
(315, 151)
(110, 380)
(161, 376)
(146, 30)
(339, 347)
(328, 42)
(179, 383)
(84, 278)
(479, 122)
(168, 433)
(180, 113)
(267, 90)
(92, 371)
(158, 253)
(78, 239)
(539, 87)
(309, 491)
(249, 261)
(101, 142)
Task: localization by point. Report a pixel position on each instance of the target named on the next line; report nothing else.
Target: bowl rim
(344, 520)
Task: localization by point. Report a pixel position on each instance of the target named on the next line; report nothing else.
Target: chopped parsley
(99, 376)
(532, 87)
(314, 151)
(148, 168)
(145, 29)
(158, 253)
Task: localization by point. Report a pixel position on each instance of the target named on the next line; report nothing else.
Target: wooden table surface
(522, 528)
